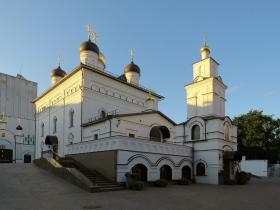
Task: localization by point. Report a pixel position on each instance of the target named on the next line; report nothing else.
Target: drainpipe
(110, 127)
(15, 138)
(184, 133)
(205, 137)
(193, 167)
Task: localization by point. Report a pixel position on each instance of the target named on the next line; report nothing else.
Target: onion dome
(19, 128)
(58, 72)
(132, 67)
(89, 46)
(205, 48)
(101, 58)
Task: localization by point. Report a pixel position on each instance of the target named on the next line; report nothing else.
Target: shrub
(242, 177)
(138, 185)
(184, 181)
(161, 183)
(133, 183)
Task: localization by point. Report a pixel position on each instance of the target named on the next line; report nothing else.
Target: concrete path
(26, 187)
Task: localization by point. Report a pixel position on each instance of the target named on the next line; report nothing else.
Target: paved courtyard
(26, 187)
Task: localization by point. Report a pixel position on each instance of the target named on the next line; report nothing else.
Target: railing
(98, 117)
(127, 143)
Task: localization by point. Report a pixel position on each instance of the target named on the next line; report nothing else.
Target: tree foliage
(258, 135)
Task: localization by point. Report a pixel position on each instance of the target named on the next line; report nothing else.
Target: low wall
(69, 175)
(103, 162)
(274, 170)
(256, 167)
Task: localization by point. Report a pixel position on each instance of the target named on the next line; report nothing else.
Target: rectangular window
(71, 118)
(95, 137)
(54, 124)
(131, 135)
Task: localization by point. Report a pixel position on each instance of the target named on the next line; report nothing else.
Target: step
(105, 189)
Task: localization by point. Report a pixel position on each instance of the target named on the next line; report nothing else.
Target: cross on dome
(132, 53)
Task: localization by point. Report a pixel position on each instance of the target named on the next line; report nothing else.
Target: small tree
(258, 135)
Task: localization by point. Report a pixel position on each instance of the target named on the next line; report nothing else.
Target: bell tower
(205, 95)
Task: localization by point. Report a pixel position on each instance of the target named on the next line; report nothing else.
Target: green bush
(138, 185)
(161, 183)
(184, 181)
(133, 183)
(242, 177)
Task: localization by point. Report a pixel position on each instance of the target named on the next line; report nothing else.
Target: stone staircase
(100, 182)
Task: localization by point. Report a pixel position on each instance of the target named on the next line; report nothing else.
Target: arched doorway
(27, 158)
(140, 171)
(6, 151)
(6, 155)
(186, 172)
(166, 173)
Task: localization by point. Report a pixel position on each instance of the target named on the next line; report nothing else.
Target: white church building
(17, 119)
(112, 124)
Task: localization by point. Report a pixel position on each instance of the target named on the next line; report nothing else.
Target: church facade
(17, 119)
(112, 124)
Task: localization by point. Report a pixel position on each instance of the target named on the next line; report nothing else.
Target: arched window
(200, 169)
(71, 118)
(102, 114)
(155, 134)
(159, 133)
(195, 132)
(226, 132)
(70, 138)
(42, 129)
(54, 124)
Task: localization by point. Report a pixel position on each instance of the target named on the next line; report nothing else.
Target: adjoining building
(112, 124)
(17, 120)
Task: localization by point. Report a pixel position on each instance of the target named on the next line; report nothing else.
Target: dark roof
(217, 78)
(108, 117)
(122, 77)
(58, 72)
(205, 118)
(19, 128)
(207, 58)
(51, 140)
(132, 67)
(107, 74)
(90, 46)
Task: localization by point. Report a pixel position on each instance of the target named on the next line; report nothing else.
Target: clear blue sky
(166, 34)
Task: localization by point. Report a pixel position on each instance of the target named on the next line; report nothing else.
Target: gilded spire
(205, 50)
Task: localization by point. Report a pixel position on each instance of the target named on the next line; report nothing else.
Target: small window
(195, 132)
(102, 114)
(42, 129)
(95, 137)
(54, 124)
(226, 132)
(131, 135)
(200, 169)
(71, 118)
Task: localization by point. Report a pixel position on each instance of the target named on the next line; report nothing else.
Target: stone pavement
(26, 187)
